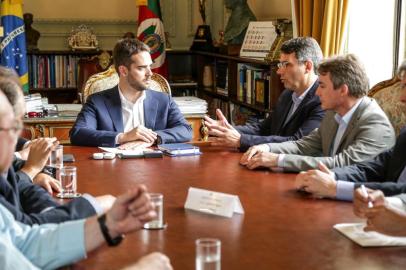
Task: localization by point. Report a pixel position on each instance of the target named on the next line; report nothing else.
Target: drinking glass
(208, 254)
(158, 222)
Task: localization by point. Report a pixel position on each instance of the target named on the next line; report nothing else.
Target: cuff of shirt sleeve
(116, 139)
(281, 159)
(18, 155)
(92, 200)
(345, 191)
(396, 203)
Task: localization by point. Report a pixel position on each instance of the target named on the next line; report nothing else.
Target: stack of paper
(191, 105)
(69, 109)
(179, 149)
(33, 103)
(355, 232)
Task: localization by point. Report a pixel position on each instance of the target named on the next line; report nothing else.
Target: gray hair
(305, 48)
(346, 70)
(12, 90)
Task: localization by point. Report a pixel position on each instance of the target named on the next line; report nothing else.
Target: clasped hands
(224, 133)
(259, 156)
(137, 138)
(382, 217)
(320, 183)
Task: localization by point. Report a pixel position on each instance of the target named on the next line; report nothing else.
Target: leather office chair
(387, 94)
(109, 78)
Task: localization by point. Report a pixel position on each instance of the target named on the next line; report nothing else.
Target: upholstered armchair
(387, 94)
(109, 78)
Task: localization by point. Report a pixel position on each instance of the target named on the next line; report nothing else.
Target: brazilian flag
(13, 48)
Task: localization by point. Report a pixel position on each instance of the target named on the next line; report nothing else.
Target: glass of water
(56, 157)
(208, 254)
(158, 222)
(68, 182)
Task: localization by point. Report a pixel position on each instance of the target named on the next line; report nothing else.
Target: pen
(365, 193)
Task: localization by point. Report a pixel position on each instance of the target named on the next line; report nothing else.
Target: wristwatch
(112, 242)
(158, 140)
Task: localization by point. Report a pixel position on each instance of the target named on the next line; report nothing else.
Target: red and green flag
(151, 32)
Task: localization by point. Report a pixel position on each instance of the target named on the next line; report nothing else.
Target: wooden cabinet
(59, 127)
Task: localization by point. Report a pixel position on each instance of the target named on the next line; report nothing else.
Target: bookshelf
(238, 85)
(58, 75)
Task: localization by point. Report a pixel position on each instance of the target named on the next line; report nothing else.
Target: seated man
(386, 172)
(50, 246)
(35, 160)
(129, 112)
(298, 111)
(354, 129)
(30, 203)
(387, 216)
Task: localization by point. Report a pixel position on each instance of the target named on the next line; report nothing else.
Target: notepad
(179, 149)
(355, 232)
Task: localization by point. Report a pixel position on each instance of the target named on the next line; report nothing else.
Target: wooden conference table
(281, 229)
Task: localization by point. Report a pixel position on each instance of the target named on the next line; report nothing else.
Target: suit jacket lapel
(113, 105)
(150, 110)
(353, 122)
(308, 97)
(284, 113)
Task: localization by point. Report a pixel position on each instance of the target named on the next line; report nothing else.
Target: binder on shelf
(179, 149)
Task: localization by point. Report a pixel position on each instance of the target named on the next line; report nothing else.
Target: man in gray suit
(354, 129)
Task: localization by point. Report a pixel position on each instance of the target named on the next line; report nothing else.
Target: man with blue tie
(386, 172)
(354, 129)
(130, 112)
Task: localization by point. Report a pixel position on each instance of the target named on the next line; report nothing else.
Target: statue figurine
(31, 35)
(241, 16)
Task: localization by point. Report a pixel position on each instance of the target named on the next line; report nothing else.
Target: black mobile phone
(68, 158)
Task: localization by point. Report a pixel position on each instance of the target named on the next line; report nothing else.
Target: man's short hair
(12, 90)
(124, 49)
(305, 48)
(346, 70)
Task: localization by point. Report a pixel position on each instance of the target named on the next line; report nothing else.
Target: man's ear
(344, 90)
(309, 66)
(123, 71)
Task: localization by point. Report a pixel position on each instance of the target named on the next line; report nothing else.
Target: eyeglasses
(285, 64)
(18, 127)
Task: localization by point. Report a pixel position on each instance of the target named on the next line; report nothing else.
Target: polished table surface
(281, 228)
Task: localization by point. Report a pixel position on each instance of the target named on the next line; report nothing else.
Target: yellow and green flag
(12, 47)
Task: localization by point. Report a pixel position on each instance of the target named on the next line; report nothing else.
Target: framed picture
(258, 39)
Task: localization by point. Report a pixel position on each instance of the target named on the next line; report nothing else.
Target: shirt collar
(298, 99)
(347, 117)
(126, 102)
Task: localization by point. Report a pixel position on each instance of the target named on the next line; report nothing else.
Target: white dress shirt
(133, 113)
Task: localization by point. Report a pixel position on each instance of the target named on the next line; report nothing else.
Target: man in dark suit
(298, 110)
(129, 111)
(386, 172)
(29, 203)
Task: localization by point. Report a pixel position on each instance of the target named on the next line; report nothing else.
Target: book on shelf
(179, 149)
(53, 71)
(253, 85)
(221, 68)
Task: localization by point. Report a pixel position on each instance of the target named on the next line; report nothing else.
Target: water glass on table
(68, 182)
(158, 222)
(208, 254)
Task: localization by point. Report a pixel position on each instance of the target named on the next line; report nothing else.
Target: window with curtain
(372, 36)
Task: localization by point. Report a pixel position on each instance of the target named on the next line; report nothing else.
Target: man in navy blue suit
(386, 172)
(298, 110)
(129, 112)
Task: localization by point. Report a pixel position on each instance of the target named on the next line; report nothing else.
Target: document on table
(123, 152)
(355, 232)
